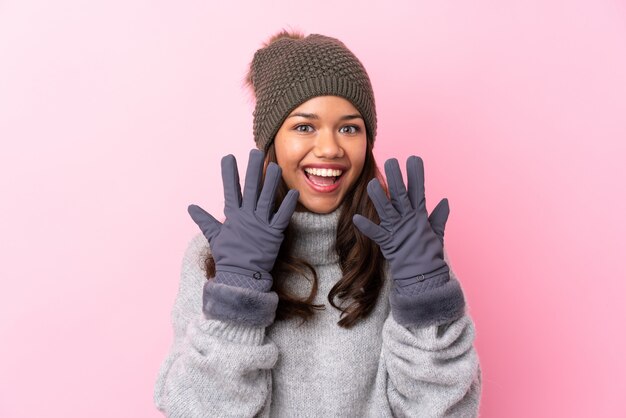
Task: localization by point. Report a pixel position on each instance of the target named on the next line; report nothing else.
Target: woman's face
(320, 148)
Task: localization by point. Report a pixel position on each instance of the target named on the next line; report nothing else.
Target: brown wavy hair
(360, 259)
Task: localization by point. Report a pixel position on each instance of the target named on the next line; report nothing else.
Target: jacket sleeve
(431, 371)
(213, 368)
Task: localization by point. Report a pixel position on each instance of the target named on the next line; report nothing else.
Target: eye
(303, 128)
(350, 129)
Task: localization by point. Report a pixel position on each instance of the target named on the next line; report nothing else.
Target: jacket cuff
(437, 306)
(238, 305)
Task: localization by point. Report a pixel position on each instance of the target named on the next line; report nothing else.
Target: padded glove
(246, 245)
(412, 243)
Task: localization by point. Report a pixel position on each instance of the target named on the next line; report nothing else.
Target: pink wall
(114, 116)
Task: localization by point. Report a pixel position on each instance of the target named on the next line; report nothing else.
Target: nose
(327, 145)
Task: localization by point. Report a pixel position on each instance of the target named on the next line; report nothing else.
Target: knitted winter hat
(292, 69)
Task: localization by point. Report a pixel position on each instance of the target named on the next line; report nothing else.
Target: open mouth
(323, 176)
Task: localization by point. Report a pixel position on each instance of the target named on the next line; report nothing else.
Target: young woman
(324, 293)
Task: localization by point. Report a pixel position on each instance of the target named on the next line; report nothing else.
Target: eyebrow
(314, 116)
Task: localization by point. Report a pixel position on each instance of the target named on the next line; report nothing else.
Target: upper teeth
(324, 172)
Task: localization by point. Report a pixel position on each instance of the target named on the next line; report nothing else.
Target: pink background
(114, 116)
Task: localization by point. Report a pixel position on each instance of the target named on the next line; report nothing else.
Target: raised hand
(246, 245)
(410, 241)
(248, 241)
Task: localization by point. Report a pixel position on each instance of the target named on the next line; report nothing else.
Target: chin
(321, 208)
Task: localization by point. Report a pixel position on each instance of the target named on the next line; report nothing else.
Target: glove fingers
(254, 174)
(230, 180)
(397, 191)
(287, 207)
(439, 217)
(209, 226)
(265, 206)
(415, 181)
(386, 211)
(369, 229)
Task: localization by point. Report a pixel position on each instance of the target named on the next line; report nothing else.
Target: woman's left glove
(246, 245)
(412, 242)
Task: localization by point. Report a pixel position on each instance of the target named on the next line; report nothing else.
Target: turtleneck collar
(314, 236)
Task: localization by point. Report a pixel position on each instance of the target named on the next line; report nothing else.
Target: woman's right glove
(246, 245)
